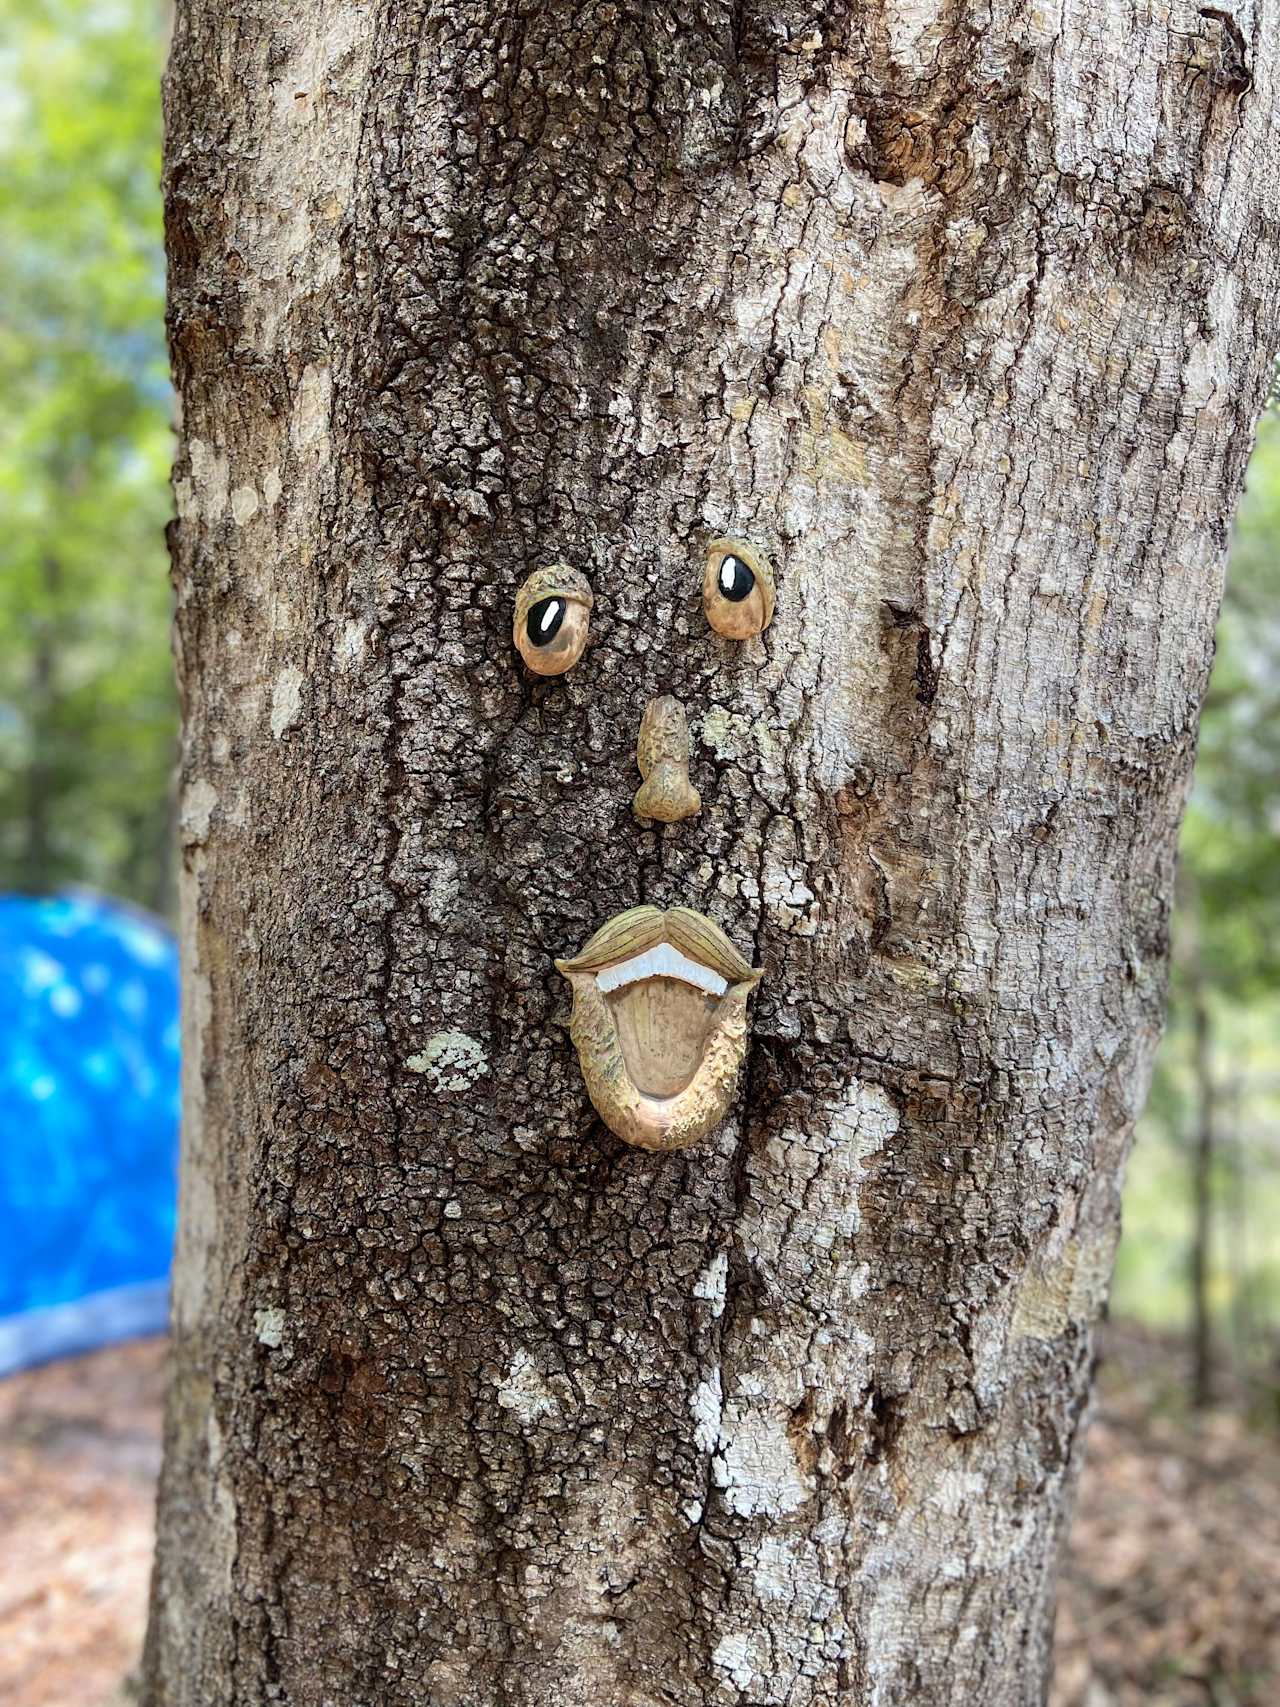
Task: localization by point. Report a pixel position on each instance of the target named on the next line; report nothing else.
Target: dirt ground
(1170, 1591)
(79, 1454)
(1170, 1595)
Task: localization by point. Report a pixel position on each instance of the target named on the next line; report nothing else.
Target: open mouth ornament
(660, 1023)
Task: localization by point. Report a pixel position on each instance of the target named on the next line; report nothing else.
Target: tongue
(662, 1028)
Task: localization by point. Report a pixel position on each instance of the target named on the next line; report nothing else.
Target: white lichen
(706, 1403)
(755, 1465)
(286, 700)
(712, 1281)
(450, 1061)
(733, 1656)
(210, 475)
(790, 902)
(268, 1325)
(525, 1392)
(350, 645)
(198, 801)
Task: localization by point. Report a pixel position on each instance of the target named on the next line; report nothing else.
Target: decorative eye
(737, 589)
(553, 614)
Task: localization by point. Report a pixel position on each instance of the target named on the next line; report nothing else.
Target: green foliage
(86, 704)
(1227, 960)
(1229, 846)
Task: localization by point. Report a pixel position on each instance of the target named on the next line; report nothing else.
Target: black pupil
(543, 621)
(736, 580)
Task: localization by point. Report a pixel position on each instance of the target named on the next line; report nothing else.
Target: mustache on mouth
(641, 929)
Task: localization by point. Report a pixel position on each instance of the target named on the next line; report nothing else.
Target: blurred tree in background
(1203, 1200)
(86, 704)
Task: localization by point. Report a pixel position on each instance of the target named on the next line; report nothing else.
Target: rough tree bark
(964, 314)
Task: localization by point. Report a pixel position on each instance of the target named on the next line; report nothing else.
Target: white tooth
(661, 961)
(707, 980)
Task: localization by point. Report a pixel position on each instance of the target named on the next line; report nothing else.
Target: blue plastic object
(88, 1123)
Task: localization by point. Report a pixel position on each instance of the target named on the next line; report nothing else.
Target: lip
(660, 1023)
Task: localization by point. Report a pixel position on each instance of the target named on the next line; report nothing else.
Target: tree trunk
(1203, 1151)
(43, 697)
(964, 318)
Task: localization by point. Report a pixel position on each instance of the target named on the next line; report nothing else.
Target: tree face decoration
(553, 617)
(659, 998)
(737, 589)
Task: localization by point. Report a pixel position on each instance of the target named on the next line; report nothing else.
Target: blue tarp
(88, 1123)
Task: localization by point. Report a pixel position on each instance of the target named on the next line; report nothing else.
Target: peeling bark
(964, 316)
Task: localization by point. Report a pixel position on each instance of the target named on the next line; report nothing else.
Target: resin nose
(662, 753)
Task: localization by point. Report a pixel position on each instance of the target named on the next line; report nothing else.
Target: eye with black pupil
(543, 621)
(736, 579)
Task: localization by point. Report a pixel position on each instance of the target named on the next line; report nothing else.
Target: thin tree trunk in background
(1202, 1172)
(162, 835)
(1244, 1321)
(964, 315)
(43, 701)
